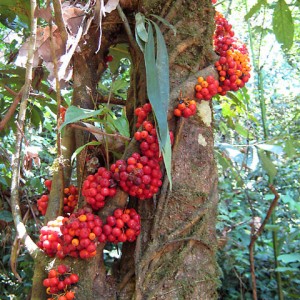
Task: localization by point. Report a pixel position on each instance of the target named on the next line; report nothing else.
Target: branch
(15, 182)
(256, 235)
(60, 21)
(13, 107)
(94, 130)
(128, 29)
(60, 184)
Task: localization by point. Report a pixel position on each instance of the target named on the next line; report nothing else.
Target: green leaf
(78, 150)
(289, 148)
(140, 27)
(288, 258)
(165, 22)
(158, 91)
(255, 8)
(118, 52)
(241, 130)
(283, 25)
(6, 216)
(122, 124)
(271, 148)
(267, 165)
(272, 227)
(74, 114)
(287, 269)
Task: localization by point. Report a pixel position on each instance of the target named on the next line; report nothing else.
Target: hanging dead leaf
(73, 17)
(111, 5)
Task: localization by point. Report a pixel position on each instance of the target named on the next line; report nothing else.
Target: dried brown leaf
(44, 13)
(73, 17)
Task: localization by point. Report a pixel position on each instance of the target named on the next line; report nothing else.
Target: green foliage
(158, 86)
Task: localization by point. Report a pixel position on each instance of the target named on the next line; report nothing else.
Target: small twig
(256, 235)
(93, 130)
(128, 29)
(13, 107)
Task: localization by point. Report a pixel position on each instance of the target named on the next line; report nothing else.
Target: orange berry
(177, 112)
(66, 190)
(92, 236)
(198, 87)
(192, 102)
(204, 84)
(82, 218)
(200, 79)
(75, 242)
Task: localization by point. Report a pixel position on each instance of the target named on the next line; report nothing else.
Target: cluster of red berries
(42, 204)
(59, 283)
(142, 113)
(148, 141)
(122, 226)
(139, 176)
(81, 233)
(97, 187)
(206, 88)
(233, 65)
(70, 199)
(50, 237)
(185, 108)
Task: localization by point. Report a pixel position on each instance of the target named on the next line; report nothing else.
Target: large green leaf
(283, 25)
(74, 114)
(157, 93)
(267, 165)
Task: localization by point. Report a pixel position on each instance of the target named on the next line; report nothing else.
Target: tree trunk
(174, 257)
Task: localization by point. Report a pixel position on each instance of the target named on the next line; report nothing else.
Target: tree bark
(174, 257)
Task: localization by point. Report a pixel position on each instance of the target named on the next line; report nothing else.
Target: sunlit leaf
(271, 148)
(255, 8)
(283, 24)
(267, 165)
(78, 150)
(74, 114)
(288, 258)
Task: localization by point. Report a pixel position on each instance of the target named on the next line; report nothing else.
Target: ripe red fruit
(61, 269)
(74, 278)
(70, 295)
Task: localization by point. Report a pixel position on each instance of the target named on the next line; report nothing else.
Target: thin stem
(58, 140)
(16, 157)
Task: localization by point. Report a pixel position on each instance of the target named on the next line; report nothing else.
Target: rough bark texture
(174, 257)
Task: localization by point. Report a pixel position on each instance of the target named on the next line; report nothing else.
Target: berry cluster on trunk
(59, 283)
